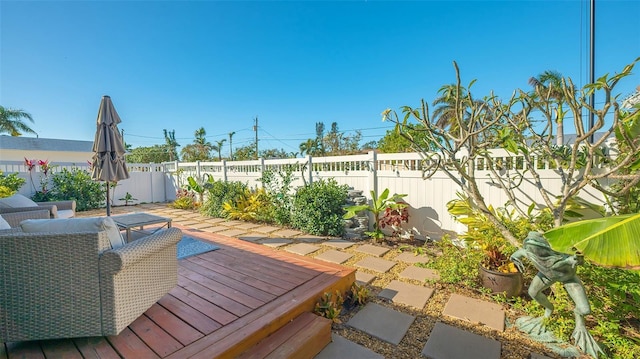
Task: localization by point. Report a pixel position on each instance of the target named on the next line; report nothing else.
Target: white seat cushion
(17, 201)
(71, 225)
(65, 213)
(4, 224)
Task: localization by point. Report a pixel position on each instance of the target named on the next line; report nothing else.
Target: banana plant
(609, 241)
(378, 205)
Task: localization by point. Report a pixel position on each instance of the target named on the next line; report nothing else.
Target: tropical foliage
(12, 121)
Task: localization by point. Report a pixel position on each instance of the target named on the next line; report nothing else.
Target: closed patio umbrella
(108, 161)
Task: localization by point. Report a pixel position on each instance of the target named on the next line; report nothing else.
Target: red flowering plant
(394, 217)
(46, 168)
(31, 164)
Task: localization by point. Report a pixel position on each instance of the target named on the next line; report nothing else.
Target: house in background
(15, 148)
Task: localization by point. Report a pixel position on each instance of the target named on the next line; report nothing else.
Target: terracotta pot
(499, 282)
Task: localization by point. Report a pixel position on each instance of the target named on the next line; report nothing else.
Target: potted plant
(496, 271)
(383, 206)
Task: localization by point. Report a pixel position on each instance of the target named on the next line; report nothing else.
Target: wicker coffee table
(130, 221)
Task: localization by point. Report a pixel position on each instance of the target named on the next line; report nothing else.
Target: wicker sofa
(20, 203)
(14, 218)
(63, 285)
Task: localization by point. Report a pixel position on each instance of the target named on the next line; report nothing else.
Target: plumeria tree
(523, 126)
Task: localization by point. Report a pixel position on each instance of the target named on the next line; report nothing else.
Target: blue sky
(182, 65)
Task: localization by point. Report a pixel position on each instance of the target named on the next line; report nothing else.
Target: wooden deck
(226, 301)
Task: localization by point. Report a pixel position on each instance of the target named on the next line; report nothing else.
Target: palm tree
(445, 111)
(218, 148)
(549, 84)
(11, 122)
(171, 144)
(230, 145)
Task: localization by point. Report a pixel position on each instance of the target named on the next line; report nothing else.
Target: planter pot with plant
(496, 271)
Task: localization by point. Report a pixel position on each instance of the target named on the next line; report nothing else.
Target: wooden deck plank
(128, 345)
(29, 350)
(252, 281)
(218, 299)
(306, 343)
(154, 337)
(242, 287)
(253, 270)
(199, 304)
(270, 343)
(96, 348)
(265, 320)
(278, 265)
(175, 326)
(220, 288)
(60, 349)
(190, 315)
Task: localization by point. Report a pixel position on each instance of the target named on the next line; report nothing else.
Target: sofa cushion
(4, 224)
(66, 213)
(71, 225)
(17, 201)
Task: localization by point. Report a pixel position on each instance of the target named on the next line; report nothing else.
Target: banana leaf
(609, 242)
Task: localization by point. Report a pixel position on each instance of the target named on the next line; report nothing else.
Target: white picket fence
(401, 173)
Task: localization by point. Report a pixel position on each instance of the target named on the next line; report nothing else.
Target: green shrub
(184, 200)
(278, 187)
(318, 208)
(219, 192)
(77, 184)
(255, 206)
(10, 184)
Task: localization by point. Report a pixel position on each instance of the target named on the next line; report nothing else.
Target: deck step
(303, 337)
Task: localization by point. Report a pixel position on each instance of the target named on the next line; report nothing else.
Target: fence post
(198, 170)
(151, 171)
(262, 168)
(309, 169)
(224, 170)
(373, 171)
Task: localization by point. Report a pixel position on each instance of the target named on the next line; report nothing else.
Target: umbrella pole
(108, 203)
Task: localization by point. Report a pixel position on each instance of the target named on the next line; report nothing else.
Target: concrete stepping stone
(412, 258)
(233, 223)
(343, 348)
(302, 249)
(339, 243)
(232, 232)
(334, 256)
(310, 238)
(405, 293)
(201, 225)
(475, 311)
(372, 250)
(186, 222)
(447, 342)
(381, 322)
(215, 220)
(248, 225)
(286, 233)
(216, 229)
(276, 242)
(420, 274)
(265, 229)
(375, 264)
(252, 237)
(363, 278)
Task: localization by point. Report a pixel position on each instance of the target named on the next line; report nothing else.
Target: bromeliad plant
(378, 206)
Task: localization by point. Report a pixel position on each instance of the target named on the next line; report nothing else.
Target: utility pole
(255, 128)
(592, 66)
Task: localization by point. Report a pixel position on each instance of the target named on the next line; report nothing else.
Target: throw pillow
(17, 201)
(4, 224)
(70, 225)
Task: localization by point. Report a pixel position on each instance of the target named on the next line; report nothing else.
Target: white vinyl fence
(401, 173)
